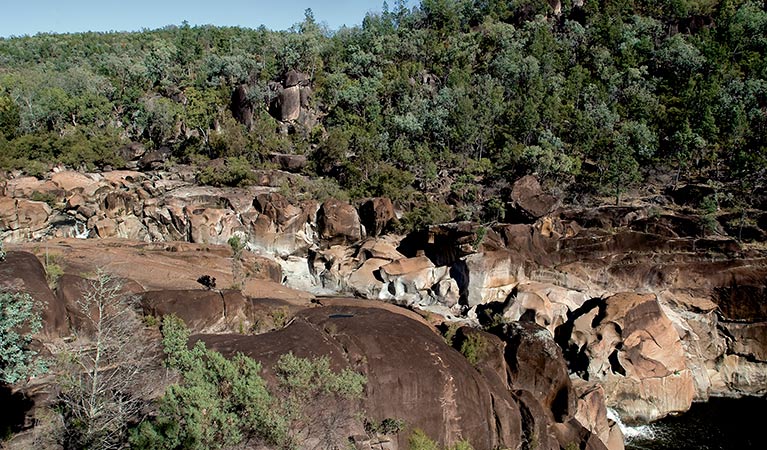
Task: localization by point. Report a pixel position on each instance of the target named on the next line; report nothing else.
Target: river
(719, 424)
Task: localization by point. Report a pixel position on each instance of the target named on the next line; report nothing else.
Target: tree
(622, 169)
(107, 372)
(307, 387)
(19, 320)
(218, 403)
(223, 403)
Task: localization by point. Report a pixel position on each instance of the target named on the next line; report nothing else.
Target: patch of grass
(279, 317)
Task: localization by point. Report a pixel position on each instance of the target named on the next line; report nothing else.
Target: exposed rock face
(377, 215)
(634, 350)
(23, 219)
(70, 290)
(592, 414)
(530, 202)
(417, 281)
(22, 272)
(338, 222)
(443, 394)
(202, 310)
(536, 365)
(551, 271)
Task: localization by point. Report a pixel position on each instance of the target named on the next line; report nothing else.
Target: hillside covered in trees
(450, 100)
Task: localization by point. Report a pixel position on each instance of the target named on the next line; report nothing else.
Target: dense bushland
(472, 92)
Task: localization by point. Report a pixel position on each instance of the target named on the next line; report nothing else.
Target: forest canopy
(594, 95)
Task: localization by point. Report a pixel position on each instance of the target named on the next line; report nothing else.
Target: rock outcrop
(441, 392)
(23, 272)
(578, 273)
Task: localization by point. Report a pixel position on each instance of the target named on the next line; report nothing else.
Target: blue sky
(28, 17)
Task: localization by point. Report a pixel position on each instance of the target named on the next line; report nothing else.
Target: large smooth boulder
(241, 106)
(289, 163)
(338, 222)
(201, 310)
(154, 159)
(529, 200)
(415, 377)
(23, 272)
(377, 215)
(131, 152)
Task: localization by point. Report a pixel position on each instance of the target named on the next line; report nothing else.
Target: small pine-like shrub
(19, 320)
(473, 348)
(221, 402)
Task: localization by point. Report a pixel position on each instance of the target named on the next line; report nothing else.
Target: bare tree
(106, 369)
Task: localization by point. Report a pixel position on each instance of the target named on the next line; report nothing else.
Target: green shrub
(19, 320)
(449, 334)
(429, 213)
(279, 317)
(220, 402)
(420, 441)
(237, 171)
(388, 426)
(46, 197)
(474, 348)
(2, 252)
(237, 245)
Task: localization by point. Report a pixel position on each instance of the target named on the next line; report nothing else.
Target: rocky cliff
(646, 311)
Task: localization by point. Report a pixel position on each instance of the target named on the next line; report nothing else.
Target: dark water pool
(719, 424)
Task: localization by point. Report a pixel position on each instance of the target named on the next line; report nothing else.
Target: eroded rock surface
(698, 329)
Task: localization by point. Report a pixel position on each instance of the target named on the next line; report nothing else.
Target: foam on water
(647, 432)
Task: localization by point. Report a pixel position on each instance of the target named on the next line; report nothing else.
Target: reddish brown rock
(28, 187)
(241, 106)
(289, 163)
(201, 310)
(260, 268)
(634, 350)
(338, 222)
(591, 413)
(70, 290)
(120, 203)
(131, 152)
(748, 340)
(536, 365)
(23, 272)
(154, 159)
(75, 182)
(530, 202)
(106, 228)
(377, 215)
(428, 385)
(276, 207)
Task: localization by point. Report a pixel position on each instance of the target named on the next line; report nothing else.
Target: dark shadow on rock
(13, 412)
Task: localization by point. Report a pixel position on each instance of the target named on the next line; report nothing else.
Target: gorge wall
(639, 302)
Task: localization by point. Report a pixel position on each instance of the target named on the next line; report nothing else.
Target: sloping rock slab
(412, 374)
